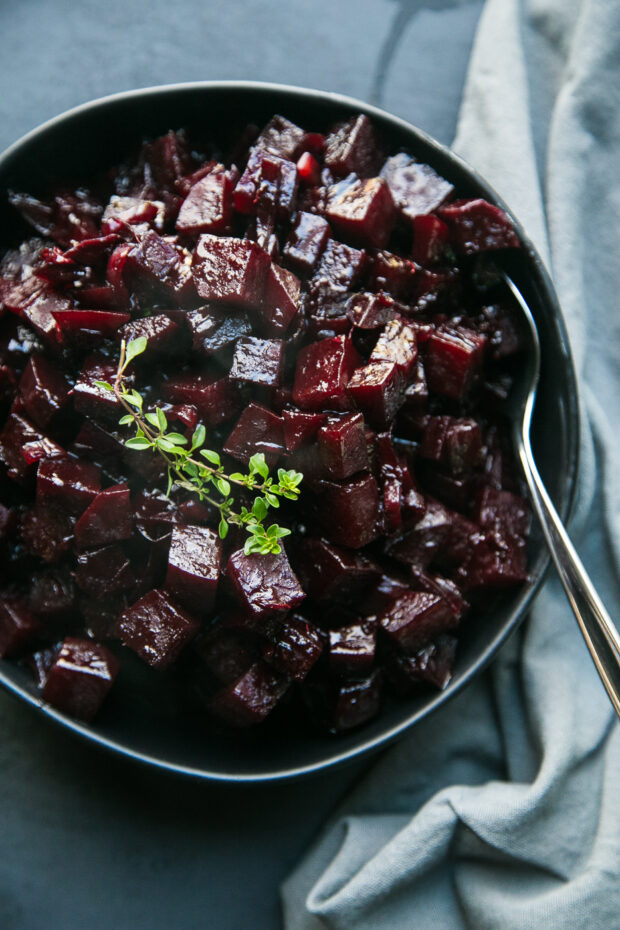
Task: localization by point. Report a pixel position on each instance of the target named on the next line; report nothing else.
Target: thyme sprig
(203, 475)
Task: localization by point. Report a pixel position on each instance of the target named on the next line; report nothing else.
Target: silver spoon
(599, 632)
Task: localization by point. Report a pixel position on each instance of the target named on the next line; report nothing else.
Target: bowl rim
(366, 745)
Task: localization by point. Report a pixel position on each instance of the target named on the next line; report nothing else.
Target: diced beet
(228, 270)
(208, 205)
(340, 706)
(281, 301)
(264, 584)
(419, 543)
(362, 211)
(109, 518)
(269, 180)
(307, 239)
(88, 397)
(342, 445)
(85, 328)
(453, 442)
(70, 215)
(217, 329)
(104, 571)
(168, 158)
(430, 239)
(134, 211)
(352, 650)
(18, 626)
(339, 269)
(415, 188)
(43, 390)
(23, 446)
(160, 331)
(347, 511)
(503, 511)
(444, 587)
(258, 361)
(194, 567)
(393, 274)
(352, 147)
(494, 561)
(370, 311)
(156, 628)
(258, 429)
(453, 360)
(216, 399)
(282, 137)
(417, 617)
(293, 647)
(378, 390)
(300, 426)
(227, 652)
(69, 483)
(478, 226)
(433, 664)
(39, 313)
(52, 594)
(80, 678)
(47, 532)
(251, 698)
(331, 573)
(398, 344)
(92, 251)
(323, 372)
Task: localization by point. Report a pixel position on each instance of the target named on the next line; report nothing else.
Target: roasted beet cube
(18, 626)
(362, 211)
(323, 372)
(69, 483)
(370, 311)
(258, 361)
(342, 445)
(352, 649)
(393, 274)
(453, 442)
(397, 343)
(417, 617)
(331, 573)
(258, 429)
(352, 147)
(251, 698)
(264, 584)
(282, 137)
(104, 571)
(156, 628)
(430, 239)
(503, 511)
(88, 397)
(343, 705)
(307, 239)
(134, 211)
(339, 269)
(208, 206)
(347, 511)
(52, 594)
(194, 567)
(453, 360)
(168, 158)
(378, 390)
(269, 181)
(478, 226)
(293, 647)
(23, 446)
(216, 329)
(227, 652)
(418, 544)
(47, 532)
(43, 390)
(109, 518)
(433, 665)
(281, 301)
(80, 677)
(494, 561)
(300, 426)
(159, 330)
(228, 270)
(158, 262)
(415, 188)
(215, 399)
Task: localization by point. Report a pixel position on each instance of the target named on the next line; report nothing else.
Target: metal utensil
(598, 630)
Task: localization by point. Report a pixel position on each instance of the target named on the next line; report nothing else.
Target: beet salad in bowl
(259, 505)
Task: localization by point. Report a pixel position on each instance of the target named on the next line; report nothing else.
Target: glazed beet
(307, 298)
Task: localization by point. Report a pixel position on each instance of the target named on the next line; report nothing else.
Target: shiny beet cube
(433, 665)
(104, 571)
(339, 269)
(352, 649)
(208, 205)
(43, 390)
(133, 211)
(453, 442)
(293, 647)
(352, 148)
(92, 400)
(52, 594)
(282, 137)
(362, 211)
(216, 329)
(194, 567)
(307, 239)
(300, 426)
(264, 584)
(393, 274)
(281, 301)
(417, 617)
(397, 343)
(323, 372)
(215, 399)
(416, 189)
(331, 573)
(161, 333)
(80, 677)
(342, 445)
(378, 389)
(68, 483)
(47, 532)
(370, 311)
(156, 628)
(227, 652)
(340, 706)
(108, 519)
(228, 270)
(347, 511)
(18, 626)
(453, 360)
(269, 180)
(478, 226)
(418, 544)
(503, 511)
(23, 446)
(156, 261)
(258, 361)
(258, 429)
(431, 238)
(251, 698)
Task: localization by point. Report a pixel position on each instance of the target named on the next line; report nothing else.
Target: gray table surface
(88, 840)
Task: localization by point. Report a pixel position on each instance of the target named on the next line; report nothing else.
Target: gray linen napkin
(503, 810)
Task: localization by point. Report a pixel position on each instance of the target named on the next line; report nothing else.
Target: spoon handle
(599, 632)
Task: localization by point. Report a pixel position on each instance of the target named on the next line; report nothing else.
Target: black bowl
(78, 145)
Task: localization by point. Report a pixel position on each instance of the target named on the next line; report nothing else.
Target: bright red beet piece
(160, 331)
(478, 226)
(251, 698)
(208, 206)
(416, 617)
(347, 511)
(415, 188)
(294, 646)
(80, 678)
(397, 343)
(69, 483)
(352, 650)
(340, 268)
(331, 573)
(23, 446)
(281, 301)
(156, 628)
(352, 147)
(43, 390)
(453, 360)
(258, 429)
(307, 239)
(216, 399)
(430, 239)
(268, 180)
(323, 371)
(258, 361)
(194, 567)
(342, 446)
(378, 390)
(18, 626)
(109, 518)
(264, 584)
(216, 329)
(362, 211)
(308, 169)
(300, 427)
(228, 270)
(104, 571)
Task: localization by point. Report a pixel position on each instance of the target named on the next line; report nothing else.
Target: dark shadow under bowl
(76, 146)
